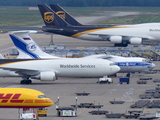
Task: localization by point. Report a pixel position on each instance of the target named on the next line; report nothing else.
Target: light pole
(58, 100)
(76, 104)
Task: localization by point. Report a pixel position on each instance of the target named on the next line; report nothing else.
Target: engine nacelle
(116, 39)
(46, 75)
(135, 41)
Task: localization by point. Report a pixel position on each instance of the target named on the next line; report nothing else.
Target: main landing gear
(26, 80)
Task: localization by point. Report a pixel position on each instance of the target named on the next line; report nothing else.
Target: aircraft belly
(90, 37)
(79, 73)
(131, 69)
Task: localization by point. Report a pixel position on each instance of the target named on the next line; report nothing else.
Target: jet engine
(116, 39)
(46, 75)
(135, 41)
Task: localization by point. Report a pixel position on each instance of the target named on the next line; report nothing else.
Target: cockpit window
(111, 64)
(41, 96)
(146, 60)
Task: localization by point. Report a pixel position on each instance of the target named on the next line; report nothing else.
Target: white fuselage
(151, 31)
(66, 67)
(132, 64)
(127, 64)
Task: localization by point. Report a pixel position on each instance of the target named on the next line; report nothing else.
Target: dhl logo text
(12, 98)
(48, 17)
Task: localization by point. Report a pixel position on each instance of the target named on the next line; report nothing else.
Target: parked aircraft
(23, 98)
(51, 68)
(120, 35)
(128, 64)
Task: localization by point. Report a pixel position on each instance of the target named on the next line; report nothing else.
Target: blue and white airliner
(128, 64)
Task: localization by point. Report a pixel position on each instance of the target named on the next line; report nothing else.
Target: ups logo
(61, 14)
(48, 17)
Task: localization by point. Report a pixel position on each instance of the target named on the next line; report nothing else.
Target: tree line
(83, 3)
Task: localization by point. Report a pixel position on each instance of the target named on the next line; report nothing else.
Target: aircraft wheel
(28, 81)
(128, 75)
(22, 82)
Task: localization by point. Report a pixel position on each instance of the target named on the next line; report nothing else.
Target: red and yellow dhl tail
(23, 98)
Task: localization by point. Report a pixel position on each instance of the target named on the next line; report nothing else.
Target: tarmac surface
(65, 88)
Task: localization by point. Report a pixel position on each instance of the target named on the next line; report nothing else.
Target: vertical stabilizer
(64, 14)
(26, 47)
(50, 18)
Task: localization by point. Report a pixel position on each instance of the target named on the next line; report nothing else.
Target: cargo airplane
(127, 64)
(120, 35)
(51, 68)
(23, 98)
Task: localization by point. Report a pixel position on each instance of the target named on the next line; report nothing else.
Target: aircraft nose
(152, 66)
(49, 102)
(117, 69)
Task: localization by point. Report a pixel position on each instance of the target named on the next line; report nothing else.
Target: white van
(28, 116)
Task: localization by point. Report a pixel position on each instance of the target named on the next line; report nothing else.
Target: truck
(28, 116)
(104, 80)
(42, 112)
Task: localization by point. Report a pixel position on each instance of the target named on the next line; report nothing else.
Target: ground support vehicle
(146, 96)
(156, 95)
(141, 82)
(105, 80)
(154, 104)
(98, 112)
(124, 80)
(157, 89)
(66, 112)
(42, 112)
(156, 80)
(140, 104)
(82, 94)
(114, 115)
(149, 78)
(132, 114)
(87, 105)
(117, 102)
(28, 116)
(150, 91)
(147, 116)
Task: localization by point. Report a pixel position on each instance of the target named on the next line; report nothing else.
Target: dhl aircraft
(120, 35)
(23, 98)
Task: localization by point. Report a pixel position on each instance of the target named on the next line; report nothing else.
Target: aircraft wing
(101, 56)
(21, 71)
(1, 57)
